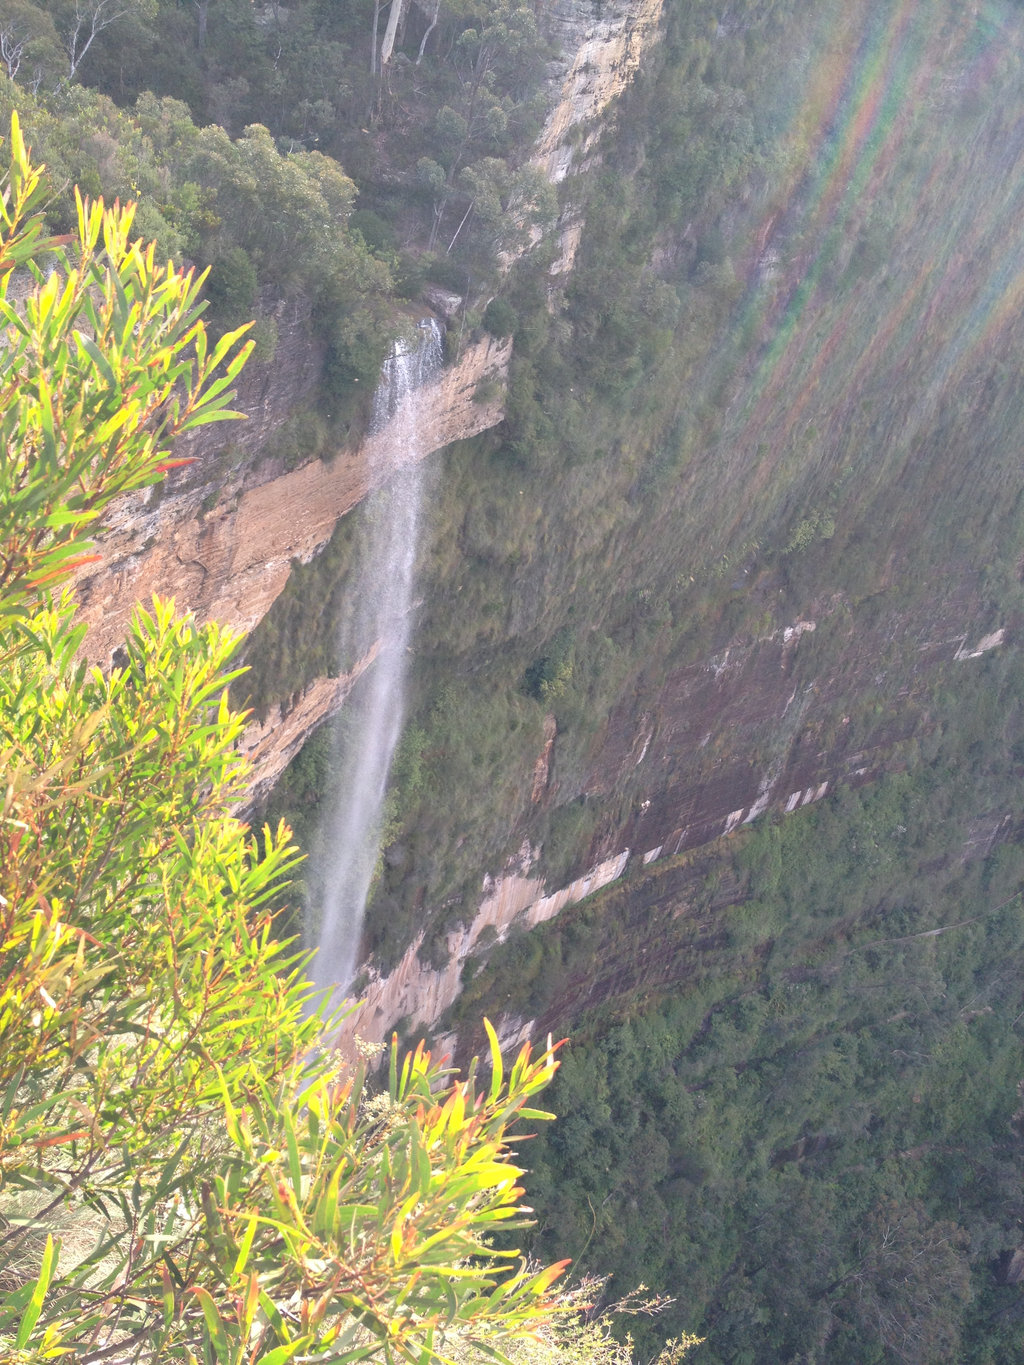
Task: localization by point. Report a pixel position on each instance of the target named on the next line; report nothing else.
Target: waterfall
(348, 841)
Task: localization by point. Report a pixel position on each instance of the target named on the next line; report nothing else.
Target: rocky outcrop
(270, 742)
(221, 540)
(223, 549)
(271, 390)
(750, 728)
(758, 726)
(515, 901)
(601, 44)
(542, 768)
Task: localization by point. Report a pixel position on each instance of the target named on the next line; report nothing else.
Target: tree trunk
(394, 19)
(373, 37)
(430, 28)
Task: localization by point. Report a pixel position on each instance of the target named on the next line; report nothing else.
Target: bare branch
(11, 49)
(90, 20)
(430, 28)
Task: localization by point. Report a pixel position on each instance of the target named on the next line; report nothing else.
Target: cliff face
(755, 727)
(272, 741)
(419, 994)
(221, 539)
(223, 546)
(757, 530)
(601, 47)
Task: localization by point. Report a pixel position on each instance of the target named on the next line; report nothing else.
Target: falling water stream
(380, 611)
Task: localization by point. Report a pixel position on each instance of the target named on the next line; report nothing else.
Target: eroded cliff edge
(221, 539)
(223, 545)
(752, 729)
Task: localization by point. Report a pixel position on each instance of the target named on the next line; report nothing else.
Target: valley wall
(221, 537)
(601, 47)
(790, 672)
(755, 728)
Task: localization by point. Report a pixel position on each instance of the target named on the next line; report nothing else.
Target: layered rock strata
(223, 545)
(601, 46)
(420, 994)
(224, 549)
(271, 742)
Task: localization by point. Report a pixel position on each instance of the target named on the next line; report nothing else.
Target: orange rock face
(270, 744)
(229, 562)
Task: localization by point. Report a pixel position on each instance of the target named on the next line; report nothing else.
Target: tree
(490, 52)
(29, 44)
(187, 1172)
(89, 18)
(12, 49)
(395, 17)
(910, 1285)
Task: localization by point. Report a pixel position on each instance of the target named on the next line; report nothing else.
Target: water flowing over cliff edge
(347, 845)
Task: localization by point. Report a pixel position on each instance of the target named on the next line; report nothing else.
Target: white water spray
(381, 611)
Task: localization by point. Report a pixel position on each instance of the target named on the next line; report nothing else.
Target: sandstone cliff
(750, 724)
(272, 741)
(601, 46)
(228, 561)
(221, 539)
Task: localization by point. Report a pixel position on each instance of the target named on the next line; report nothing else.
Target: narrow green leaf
(497, 1072)
(326, 1212)
(225, 344)
(246, 1247)
(421, 1158)
(11, 1091)
(294, 1161)
(214, 1323)
(98, 358)
(230, 1113)
(167, 1295)
(280, 1354)
(35, 1303)
(169, 1168)
(203, 418)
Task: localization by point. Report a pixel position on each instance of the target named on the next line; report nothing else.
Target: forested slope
(751, 529)
(774, 389)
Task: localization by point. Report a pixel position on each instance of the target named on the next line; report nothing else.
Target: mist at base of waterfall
(379, 611)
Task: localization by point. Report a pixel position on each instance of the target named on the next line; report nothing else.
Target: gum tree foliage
(487, 51)
(271, 226)
(186, 1173)
(452, 110)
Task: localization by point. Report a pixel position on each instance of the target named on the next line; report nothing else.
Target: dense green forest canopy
(229, 126)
